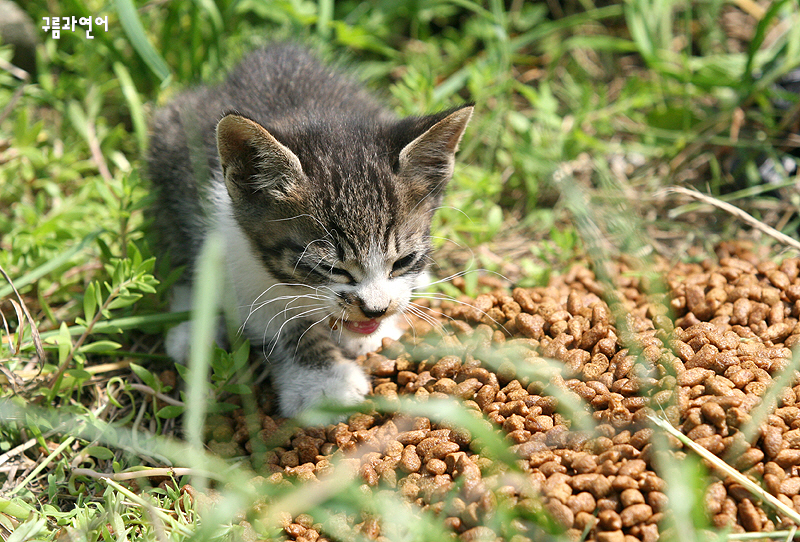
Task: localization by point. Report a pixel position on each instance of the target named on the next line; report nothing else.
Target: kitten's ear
(427, 161)
(253, 160)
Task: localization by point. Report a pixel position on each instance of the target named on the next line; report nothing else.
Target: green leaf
(90, 302)
(239, 389)
(125, 300)
(15, 507)
(100, 346)
(145, 376)
(78, 374)
(64, 342)
(99, 452)
(171, 411)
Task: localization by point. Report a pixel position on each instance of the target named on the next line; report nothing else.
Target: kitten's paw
(299, 388)
(178, 340)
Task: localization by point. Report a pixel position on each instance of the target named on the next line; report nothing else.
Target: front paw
(300, 388)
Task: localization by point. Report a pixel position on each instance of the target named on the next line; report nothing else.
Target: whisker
(459, 245)
(276, 338)
(461, 274)
(286, 307)
(433, 322)
(455, 209)
(297, 346)
(445, 297)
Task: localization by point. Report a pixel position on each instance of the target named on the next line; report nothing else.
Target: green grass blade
(206, 300)
(133, 28)
(134, 104)
(117, 325)
(324, 18)
(758, 39)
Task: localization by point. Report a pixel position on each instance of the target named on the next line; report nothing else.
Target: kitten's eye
(403, 263)
(340, 275)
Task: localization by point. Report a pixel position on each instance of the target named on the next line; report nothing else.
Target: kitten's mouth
(365, 327)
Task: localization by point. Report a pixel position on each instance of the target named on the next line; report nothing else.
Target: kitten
(324, 199)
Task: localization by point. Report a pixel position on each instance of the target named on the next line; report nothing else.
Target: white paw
(299, 387)
(178, 341)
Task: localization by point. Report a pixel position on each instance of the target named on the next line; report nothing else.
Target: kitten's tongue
(366, 327)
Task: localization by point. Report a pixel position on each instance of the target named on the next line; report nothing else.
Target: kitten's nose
(369, 313)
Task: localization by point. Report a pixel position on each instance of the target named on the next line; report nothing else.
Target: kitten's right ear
(254, 161)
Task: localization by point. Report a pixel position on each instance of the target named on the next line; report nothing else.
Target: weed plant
(625, 97)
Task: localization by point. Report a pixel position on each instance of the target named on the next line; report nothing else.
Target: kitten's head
(342, 206)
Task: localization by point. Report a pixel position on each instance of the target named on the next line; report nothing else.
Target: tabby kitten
(324, 199)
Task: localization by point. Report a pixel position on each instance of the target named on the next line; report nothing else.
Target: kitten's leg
(179, 338)
(310, 369)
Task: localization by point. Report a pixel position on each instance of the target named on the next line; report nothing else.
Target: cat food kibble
(578, 428)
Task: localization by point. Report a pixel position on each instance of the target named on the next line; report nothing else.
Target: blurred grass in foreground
(631, 96)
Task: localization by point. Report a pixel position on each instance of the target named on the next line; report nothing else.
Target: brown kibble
(446, 386)
(621, 483)
(749, 516)
(447, 367)
(694, 376)
(479, 534)
(772, 440)
(790, 486)
(584, 463)
(467, 388)
(629, 497)
(584, 521)
(413, 437)
(633, 468)
(379, 365)
(582, 502)
(658, 501)
(788, 457)
(611, 536)
(560, 513)
(295, 530)
(596, 484)
(530, 325)
(435, 466)
(714, 413)
(748, 458)
(409, 459)
(436, 447)
(609, 520)
(634, 514)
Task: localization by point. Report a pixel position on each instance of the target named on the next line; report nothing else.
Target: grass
(611, 101)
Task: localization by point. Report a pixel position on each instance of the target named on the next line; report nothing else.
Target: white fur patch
(265, 305)
(300, 387)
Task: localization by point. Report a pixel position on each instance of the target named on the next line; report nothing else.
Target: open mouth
(365, 327)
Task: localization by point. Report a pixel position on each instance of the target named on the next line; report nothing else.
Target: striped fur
(324, 199)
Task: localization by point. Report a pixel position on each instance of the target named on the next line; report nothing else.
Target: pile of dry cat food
(701, 353)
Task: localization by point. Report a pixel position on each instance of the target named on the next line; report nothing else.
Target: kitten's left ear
(253, 161)
(429, 158)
